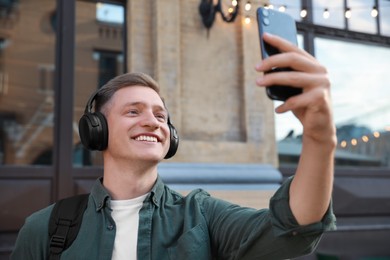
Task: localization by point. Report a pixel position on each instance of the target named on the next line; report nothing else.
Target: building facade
(54, 54)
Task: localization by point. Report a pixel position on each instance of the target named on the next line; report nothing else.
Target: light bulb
(282, 8)
(303, 13)
(248, 6)
(374, 12)
(348, 13)
(326, 13)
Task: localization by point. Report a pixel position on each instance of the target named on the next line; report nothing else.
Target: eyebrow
(138, 103)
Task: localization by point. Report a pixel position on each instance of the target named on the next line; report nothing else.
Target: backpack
(64, 224)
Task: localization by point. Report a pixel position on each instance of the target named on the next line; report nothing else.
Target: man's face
(137, 125)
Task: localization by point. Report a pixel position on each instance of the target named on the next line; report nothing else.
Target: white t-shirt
(125, 215)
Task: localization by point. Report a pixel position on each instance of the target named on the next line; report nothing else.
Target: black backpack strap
(64, 224)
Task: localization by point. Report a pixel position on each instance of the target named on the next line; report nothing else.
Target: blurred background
(54, 54)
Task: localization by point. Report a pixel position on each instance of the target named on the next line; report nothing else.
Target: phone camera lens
(265, 21)
(265, 12)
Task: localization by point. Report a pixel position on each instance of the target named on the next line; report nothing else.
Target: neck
(129, 180)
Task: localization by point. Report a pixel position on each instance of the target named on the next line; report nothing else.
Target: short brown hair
(105, 93)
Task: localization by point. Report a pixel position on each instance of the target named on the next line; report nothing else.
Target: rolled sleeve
(284, 221)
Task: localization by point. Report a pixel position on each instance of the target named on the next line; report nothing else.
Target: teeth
(146, 138)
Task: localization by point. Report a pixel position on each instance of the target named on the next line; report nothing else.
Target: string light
(374, 12)
(364, 138)
(282, 8)
(248, 6)
(247, 20)
(326, 13)
(234, 3)
(303, 13)
(348, 13)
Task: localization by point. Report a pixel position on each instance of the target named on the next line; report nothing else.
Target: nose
(149, 120)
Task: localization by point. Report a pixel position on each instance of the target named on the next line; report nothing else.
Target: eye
(161, 117)
(133, 112)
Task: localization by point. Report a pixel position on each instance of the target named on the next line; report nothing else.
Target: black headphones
(93, 130)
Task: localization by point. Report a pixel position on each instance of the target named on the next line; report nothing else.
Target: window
(360, 99)
(99, 57)
(358, 70)
(26, 84)
(110, 65)
(110, 13)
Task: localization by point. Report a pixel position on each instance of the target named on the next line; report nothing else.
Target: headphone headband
(88, 107)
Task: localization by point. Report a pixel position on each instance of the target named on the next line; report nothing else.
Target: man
(131, 214)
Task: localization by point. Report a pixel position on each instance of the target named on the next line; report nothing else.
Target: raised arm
(311, 188)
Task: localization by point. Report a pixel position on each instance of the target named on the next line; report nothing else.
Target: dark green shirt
(171, 226)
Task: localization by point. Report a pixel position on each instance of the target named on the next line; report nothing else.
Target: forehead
(140, 94)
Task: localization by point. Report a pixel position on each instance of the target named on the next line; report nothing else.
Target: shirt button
(110, 227)
(294, 233)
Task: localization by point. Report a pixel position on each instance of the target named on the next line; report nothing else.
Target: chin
(151, 157)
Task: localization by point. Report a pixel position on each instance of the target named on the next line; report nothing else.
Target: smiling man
(136, 116)
(132, 214)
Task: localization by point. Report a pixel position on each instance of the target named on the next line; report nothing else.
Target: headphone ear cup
(93, 131)
(173, 142)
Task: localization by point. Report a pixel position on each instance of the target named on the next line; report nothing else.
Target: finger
(291, 104)
(294, 79)
(316, 100)
(291, 60)
(283, 45)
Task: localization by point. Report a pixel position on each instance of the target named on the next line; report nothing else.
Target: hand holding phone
(282, 25)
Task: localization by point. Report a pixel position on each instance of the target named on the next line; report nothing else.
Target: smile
(147, 138)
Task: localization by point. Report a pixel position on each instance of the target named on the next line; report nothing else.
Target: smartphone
(282, 25)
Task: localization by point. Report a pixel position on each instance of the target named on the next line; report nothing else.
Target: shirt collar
(101, 195)
(157, 191)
